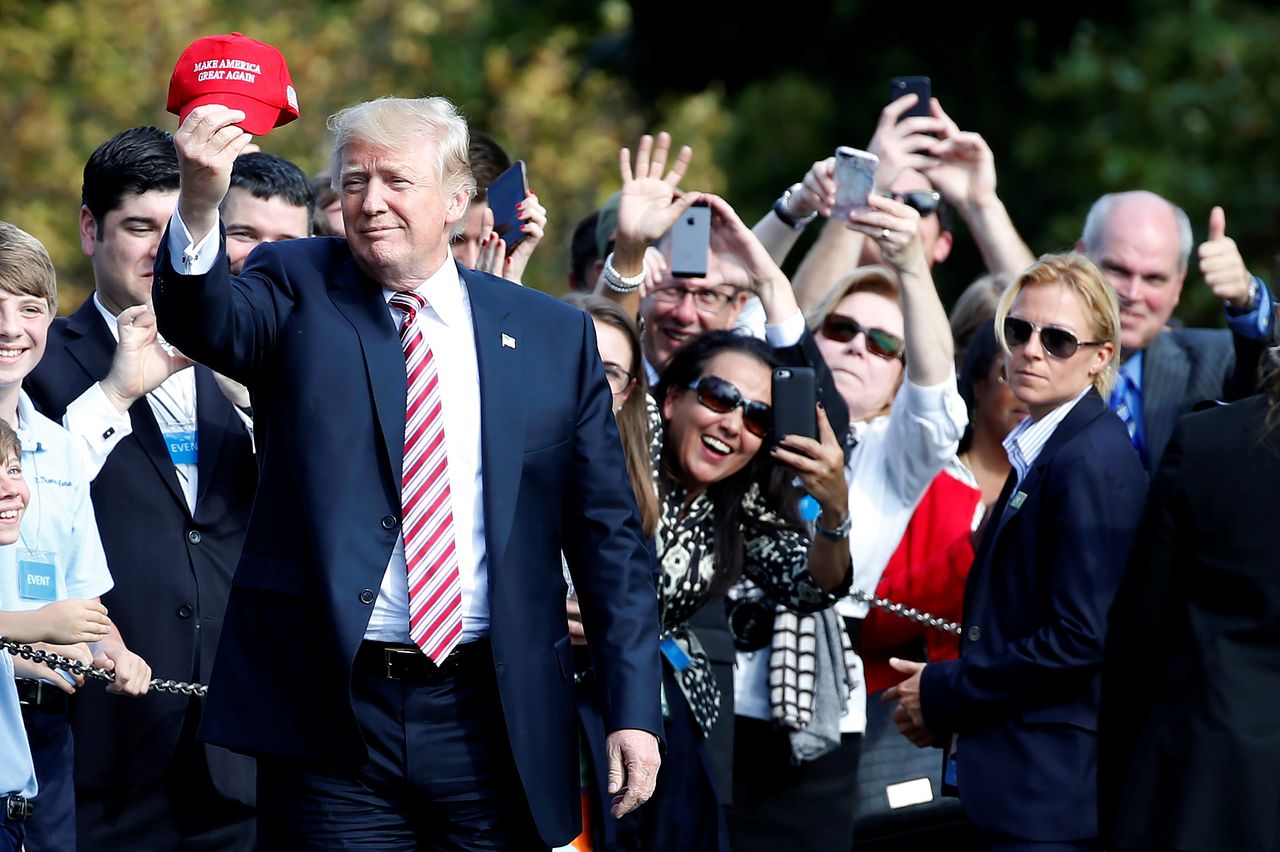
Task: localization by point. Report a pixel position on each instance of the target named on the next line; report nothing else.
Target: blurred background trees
(1075, 99)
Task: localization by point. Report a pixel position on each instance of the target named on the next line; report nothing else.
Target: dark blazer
(172, 571)
(1181, 368)
(314, 338)
(1190, 753)
(1023, 696)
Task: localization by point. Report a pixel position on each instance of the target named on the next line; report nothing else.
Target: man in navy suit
(1142, 243)
(368, 723)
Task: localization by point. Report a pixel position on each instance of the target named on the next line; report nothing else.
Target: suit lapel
(360, 300)
(1088, 409)
(93, 348)
(502, 406)
(1165, 370)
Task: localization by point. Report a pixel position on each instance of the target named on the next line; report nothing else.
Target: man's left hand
(133, 675)
(1222, 266)
(633, 768)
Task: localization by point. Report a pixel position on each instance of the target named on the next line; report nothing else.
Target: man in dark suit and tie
(1142, 243)
(172, 500)
(430, 441)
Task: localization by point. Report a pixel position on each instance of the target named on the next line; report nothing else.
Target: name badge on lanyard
(183, 446)
(37, 575)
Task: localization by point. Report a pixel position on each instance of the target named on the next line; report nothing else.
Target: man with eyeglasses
(1142, 243)
(926, 162)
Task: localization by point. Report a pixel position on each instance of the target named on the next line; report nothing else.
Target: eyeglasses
(707, 300)
(923, 201)
(842, 329)
(1059, 342)
(619, 379)
(722, 397)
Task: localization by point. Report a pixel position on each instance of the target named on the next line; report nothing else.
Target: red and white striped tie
(435, 593)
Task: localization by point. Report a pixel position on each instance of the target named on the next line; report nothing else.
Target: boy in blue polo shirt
(68, 621)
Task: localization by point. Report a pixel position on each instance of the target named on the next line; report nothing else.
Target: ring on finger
(884, 233)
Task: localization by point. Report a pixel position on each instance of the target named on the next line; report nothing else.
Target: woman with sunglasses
(1018, 710)
(905, 424)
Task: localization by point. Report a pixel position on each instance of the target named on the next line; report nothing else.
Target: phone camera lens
(689, 221)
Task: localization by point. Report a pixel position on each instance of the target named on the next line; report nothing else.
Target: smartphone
(795, 396)
(855, 178)
(690, 242)
(919, 86)
(507, 190)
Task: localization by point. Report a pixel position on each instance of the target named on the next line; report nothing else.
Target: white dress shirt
(1024, 444)
(447, 328)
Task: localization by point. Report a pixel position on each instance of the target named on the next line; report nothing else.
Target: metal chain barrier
(908, 612)
(76, 667)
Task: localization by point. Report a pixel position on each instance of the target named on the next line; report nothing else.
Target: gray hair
(402, 124)
(1095, 224)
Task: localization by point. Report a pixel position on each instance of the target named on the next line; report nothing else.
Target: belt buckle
(388, 657)
(18, 808)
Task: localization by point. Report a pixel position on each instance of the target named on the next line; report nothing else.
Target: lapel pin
(1016, 501)
(508, 342)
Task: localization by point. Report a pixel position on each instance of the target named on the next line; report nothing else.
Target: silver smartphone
(855, 179)
(690, 239)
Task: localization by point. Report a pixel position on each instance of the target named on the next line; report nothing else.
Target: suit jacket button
(975, 633)
(389, 522)
(193, 536)
(367, 596)
(184, 611)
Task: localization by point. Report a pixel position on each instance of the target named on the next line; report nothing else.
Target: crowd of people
(467, 566)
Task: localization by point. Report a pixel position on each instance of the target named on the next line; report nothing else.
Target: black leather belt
(41, 696)
(397, 661)
(16, 808)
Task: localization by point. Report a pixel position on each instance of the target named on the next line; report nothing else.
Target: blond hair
(403, 125)
(25, 267)
(1078, 274)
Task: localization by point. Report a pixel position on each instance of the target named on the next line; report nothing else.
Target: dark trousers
(1003, 845)
(778, 805)
(11, 832)
(440, 774)
(180, 809)
(52, 828)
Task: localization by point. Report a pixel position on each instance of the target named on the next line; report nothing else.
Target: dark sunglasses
(923, 201)
(1058, 342)
(722, 397)
(842, 329)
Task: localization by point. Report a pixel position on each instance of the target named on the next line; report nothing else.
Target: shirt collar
(1131, 369)
(1024, 443)
(443, 293)
(26, 424)
(107, 316)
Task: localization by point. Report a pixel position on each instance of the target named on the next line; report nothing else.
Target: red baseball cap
(239, 73)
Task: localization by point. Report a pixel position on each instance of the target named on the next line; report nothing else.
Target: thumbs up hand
(1222, 266)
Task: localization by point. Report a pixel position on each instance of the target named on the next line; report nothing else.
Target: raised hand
(534, 218)
(905, 144)
(141, 362)
(648, 205)
(965, 172)
(208, 142)
(1221, 264)
(896, 229)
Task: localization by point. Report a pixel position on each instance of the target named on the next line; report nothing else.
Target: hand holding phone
(794, 397)
(508, 190)
(855, 179)
(690, 242)
(918, 86)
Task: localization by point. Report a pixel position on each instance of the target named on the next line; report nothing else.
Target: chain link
(908, 612)
(76, 667)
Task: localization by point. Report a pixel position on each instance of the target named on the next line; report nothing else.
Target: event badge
(183, 446)
(675, 654)
(37, 575)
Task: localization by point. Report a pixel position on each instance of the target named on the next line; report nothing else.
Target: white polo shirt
(58, 554)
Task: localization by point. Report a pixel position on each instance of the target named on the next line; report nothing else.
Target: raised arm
(965, 176)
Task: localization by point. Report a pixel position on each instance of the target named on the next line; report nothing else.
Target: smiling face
(24, 328)
(396, 215)
(14, 496)
(670, 323)
(124, 255)
(1039, 380)
(1140, 257)
(866, 382)
(710, 447)
(251, 220)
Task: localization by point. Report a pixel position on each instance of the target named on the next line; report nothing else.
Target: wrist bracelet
(784, 214)
(616, 281)
(840, 533)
